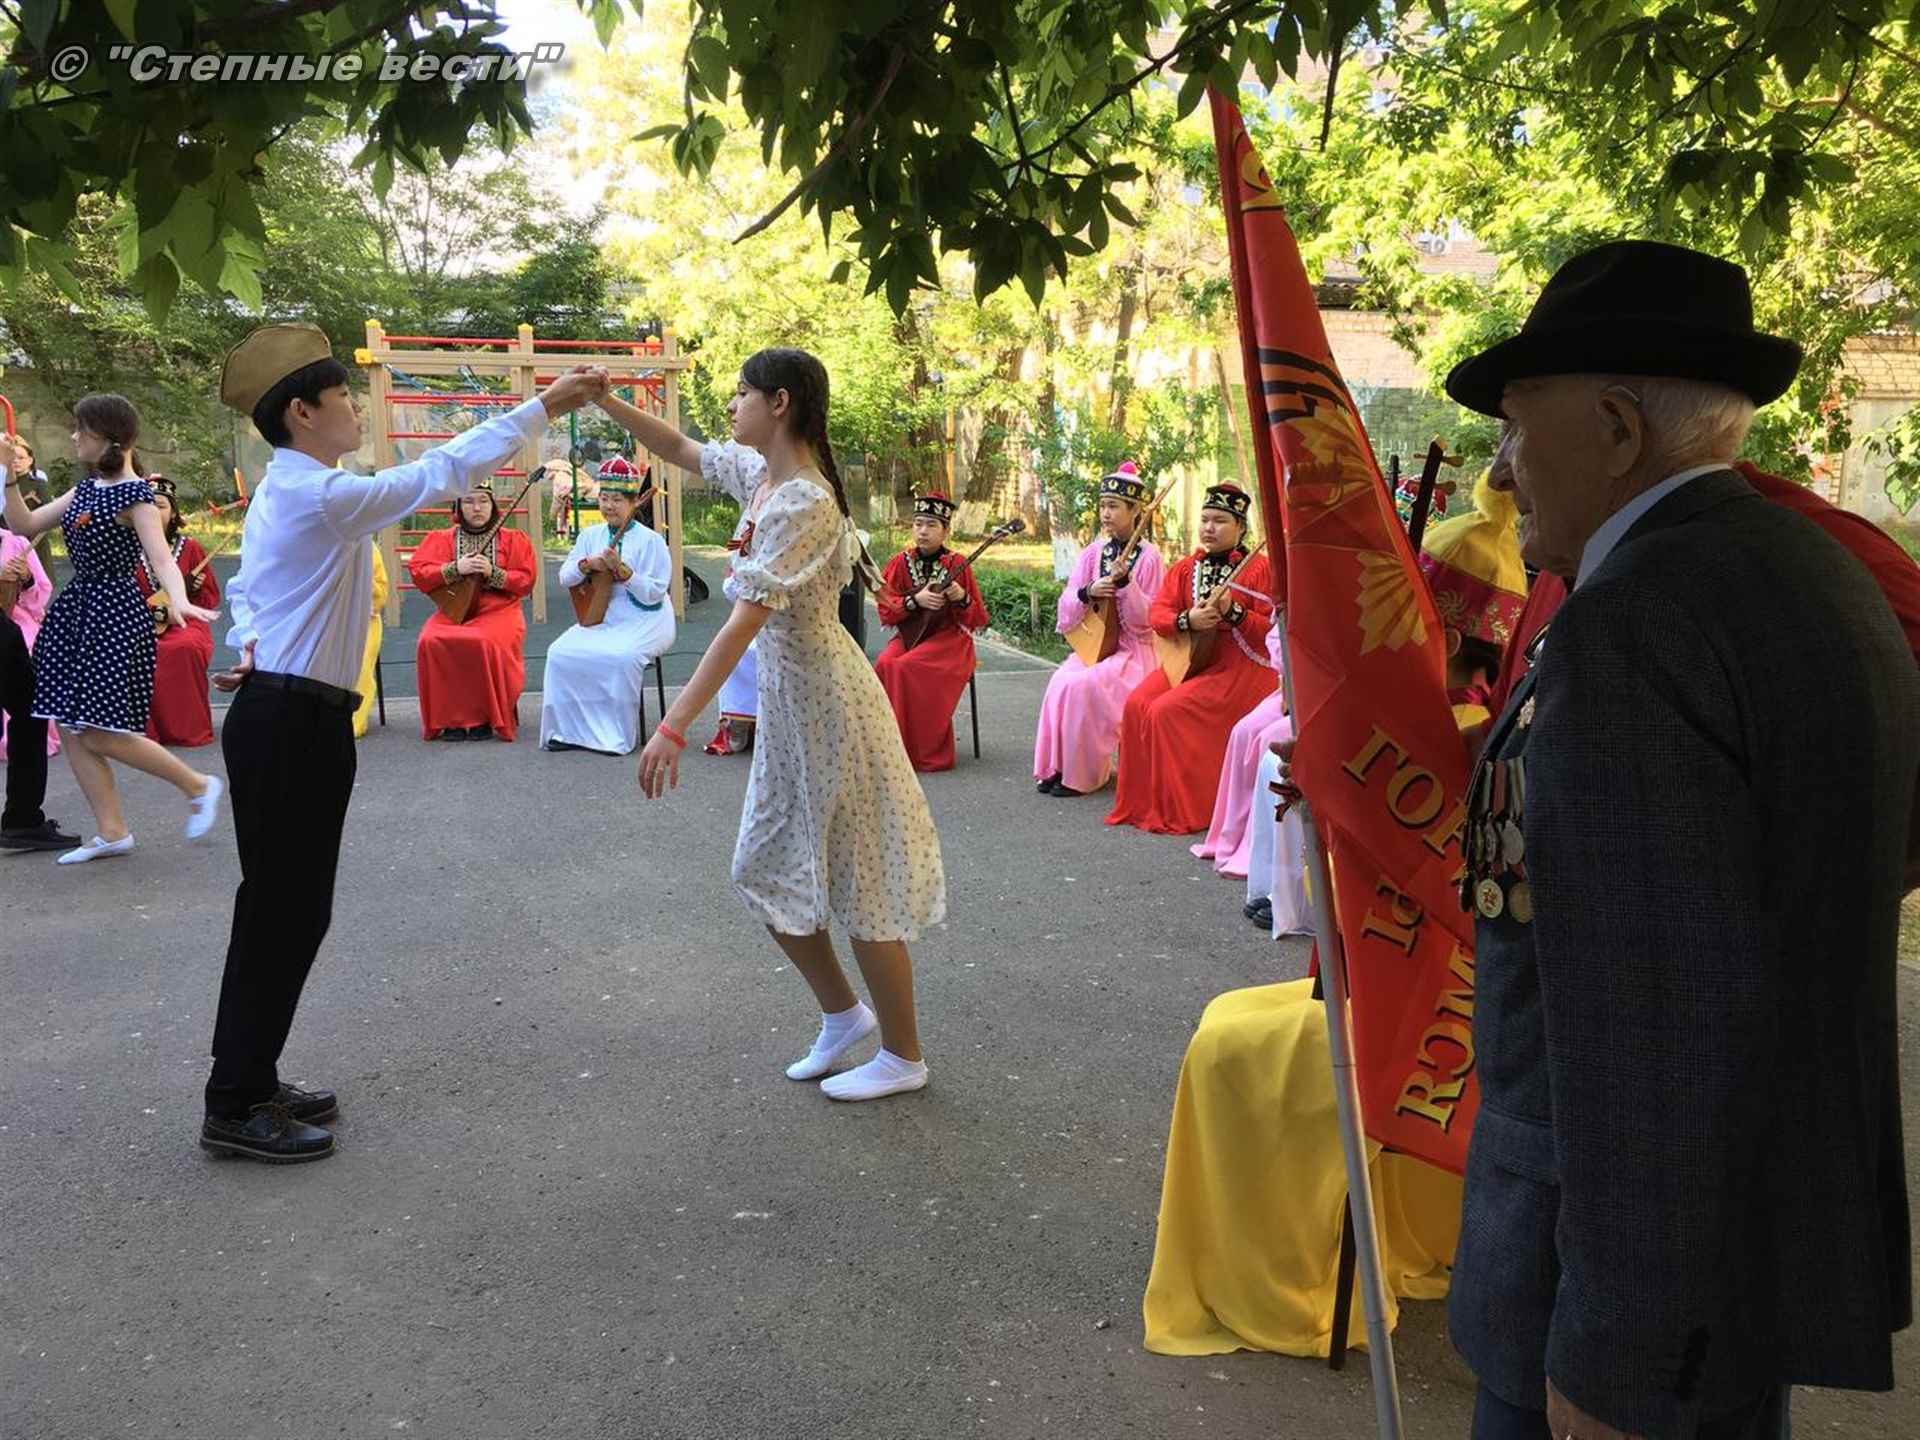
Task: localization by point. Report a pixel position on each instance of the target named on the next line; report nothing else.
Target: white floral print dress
(835, 824)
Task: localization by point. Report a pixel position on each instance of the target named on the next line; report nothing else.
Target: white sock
(839, 1033)
(885, 1074)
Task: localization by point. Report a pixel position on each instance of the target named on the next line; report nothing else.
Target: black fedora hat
(1636, 307)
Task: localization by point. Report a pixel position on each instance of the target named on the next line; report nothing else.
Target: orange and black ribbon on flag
(1378, 754)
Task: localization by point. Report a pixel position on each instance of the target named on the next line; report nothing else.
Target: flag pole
(1346, 1094)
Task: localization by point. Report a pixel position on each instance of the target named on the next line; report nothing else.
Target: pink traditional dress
(1229, 837)
(28, 612)
(1080, 717)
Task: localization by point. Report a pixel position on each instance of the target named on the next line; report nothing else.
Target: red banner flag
(1378, 755)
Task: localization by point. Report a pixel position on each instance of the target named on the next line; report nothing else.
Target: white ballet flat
(203, 810)
(97, 849)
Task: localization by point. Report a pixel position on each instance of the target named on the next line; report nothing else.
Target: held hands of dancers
(236, 677)
(582, 385)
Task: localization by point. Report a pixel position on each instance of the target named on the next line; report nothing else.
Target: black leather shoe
(1260, 912)
(308, 1106)
(1066, 792)
(453, 734)
(269, 1133)
(47, 835)
(480, 732)
(1045, 787)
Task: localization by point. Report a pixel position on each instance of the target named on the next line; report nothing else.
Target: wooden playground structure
(402, 369)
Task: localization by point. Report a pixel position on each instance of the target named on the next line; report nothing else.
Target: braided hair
(113, 419)
(805, 380)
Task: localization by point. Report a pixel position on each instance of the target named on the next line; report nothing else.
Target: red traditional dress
(925, 683)
(181, 715)
(1173, 739)
(472, 674)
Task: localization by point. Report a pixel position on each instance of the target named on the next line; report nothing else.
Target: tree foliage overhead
(182, 157)
(992, 128)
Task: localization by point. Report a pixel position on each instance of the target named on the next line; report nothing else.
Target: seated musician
(471, 671)
(1173, 738)
(1080, 717)
(926, 682)
(1255, 1116)
(595, 672)
(180, 715)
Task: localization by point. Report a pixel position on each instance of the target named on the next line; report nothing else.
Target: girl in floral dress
(835, 826)
(93, 662)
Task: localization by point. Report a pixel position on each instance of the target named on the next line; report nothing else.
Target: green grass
(1023, 604)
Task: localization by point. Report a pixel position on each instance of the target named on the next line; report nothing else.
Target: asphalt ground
(575, 1196)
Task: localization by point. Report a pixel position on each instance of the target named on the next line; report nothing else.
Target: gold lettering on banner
(1420, 814)
(1399, 925)
(1436, 1097)
(1376, 742)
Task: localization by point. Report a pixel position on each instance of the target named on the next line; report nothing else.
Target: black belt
(326, 694)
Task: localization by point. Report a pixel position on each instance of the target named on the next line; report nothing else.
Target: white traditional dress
(591, 694)
(735, 469)
(835, 825)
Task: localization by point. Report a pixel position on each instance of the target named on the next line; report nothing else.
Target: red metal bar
(629, 345)
(454, 397)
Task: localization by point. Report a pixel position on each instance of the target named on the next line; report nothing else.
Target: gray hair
(1690, 420)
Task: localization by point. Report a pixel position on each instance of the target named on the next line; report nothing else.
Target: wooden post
(530, 459)
(383, 456)
(677, 587)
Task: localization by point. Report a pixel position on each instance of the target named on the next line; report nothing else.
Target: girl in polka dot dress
(94, 659)
(835, 825)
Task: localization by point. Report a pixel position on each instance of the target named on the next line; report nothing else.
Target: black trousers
(1765, 1417)
(26, 736)
(290, 767)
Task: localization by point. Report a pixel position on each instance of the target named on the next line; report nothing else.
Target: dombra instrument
(455, 598)
(157, 602)
(921, 623)
(1097, 636)
(9, 593)
(1190, 651)
(592, 595)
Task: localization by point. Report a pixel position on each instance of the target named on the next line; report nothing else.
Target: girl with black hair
(94, 658)
(835, 826)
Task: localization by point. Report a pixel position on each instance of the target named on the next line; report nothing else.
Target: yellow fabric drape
(1248, 1249)
(362, 716)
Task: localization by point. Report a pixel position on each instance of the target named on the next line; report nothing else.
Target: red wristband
(672, 734)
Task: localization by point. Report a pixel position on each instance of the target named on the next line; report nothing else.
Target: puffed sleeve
(797, 538)
(110, 502)
(732, 468)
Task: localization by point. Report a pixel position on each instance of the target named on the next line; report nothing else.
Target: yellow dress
(365, 685)
(1251, 1206)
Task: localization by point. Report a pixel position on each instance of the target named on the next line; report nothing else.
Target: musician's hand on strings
(956, 592)
(1103, 588)
(659, 767)
(17, 569)
(236, 677)
(473, 565)
(931, 599)
(1203, 617)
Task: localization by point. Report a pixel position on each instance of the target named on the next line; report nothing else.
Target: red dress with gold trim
(1173, 738)
(182, 711)
(925, 683)
(472, 674)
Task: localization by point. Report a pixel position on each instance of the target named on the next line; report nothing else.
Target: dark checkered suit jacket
(1686, 1181)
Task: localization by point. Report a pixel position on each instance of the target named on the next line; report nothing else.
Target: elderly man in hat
(1684, 842)
(301, 604)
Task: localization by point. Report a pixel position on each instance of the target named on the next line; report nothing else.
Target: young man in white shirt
(301, 605)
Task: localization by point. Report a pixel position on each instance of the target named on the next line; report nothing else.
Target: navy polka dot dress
(93, 662)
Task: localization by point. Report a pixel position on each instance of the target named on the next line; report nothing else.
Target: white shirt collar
(1614, 529)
